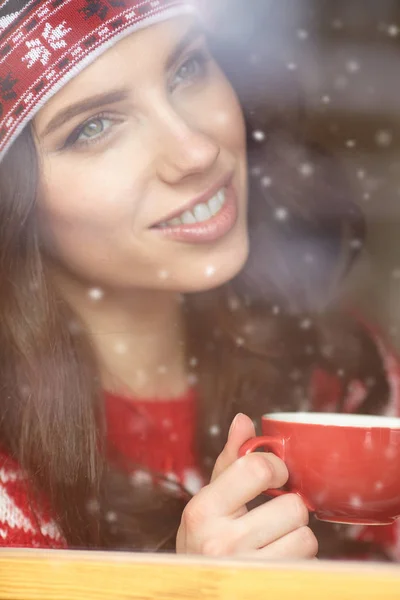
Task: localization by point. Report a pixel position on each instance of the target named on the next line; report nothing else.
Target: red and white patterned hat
(45, 43)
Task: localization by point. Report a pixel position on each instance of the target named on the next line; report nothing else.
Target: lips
(203, 221)
(208, 198)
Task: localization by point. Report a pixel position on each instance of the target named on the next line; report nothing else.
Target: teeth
(200, 213)
(188, 218)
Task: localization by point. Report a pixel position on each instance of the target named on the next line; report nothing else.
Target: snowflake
(305, 324)
(258, 135)
(356, 501)
(361, 174)
(210, 271)
(291, 66)
(111, 517)
(356, 244)
(140, 478)
(162, 370)
(378, 486)
(352, 66)
(325, 99)
(96, 294)
(163, 274)
(214, 430)
(55, 35)
(192, 481)
(393, 30)
(266, 181)
(351, 143)
(383, 138)
(121, 348)
(193, 362)
(306, 169)
(302, 34)
(281, 214)
(38, 51)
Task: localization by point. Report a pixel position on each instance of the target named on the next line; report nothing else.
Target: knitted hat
(45, 43)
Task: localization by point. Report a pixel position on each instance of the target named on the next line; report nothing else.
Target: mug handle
(275, 444)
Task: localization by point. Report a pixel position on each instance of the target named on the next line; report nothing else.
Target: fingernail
(234, 423)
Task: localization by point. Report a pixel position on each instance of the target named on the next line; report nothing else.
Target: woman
(123, 201)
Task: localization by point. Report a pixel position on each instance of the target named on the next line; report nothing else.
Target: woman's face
(143, 167)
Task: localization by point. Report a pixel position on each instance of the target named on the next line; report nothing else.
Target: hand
(216, 521)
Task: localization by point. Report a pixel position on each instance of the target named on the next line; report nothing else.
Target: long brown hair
(256, 342)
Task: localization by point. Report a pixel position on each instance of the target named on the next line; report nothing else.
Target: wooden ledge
(70, 575)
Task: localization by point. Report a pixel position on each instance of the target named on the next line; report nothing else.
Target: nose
(182, 149)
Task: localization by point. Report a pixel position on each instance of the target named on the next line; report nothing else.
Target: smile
(200, 213)
(205, 221)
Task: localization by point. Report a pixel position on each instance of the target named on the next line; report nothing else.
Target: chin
(215, 272)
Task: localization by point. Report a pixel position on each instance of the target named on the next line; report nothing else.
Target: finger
(298, 544)
(271, 521)
(242, 429)
(240, 483)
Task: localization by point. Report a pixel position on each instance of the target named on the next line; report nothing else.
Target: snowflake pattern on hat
(44, 44)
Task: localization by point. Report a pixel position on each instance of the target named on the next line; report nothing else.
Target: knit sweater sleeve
(20, 524)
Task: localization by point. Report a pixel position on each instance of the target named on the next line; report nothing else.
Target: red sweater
(160, 435)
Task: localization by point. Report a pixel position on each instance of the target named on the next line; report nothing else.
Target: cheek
(217, 113)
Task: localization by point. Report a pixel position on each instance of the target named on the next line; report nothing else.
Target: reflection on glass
(198, 207)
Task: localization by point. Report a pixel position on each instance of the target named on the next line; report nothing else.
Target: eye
(193, 68)
(93, 128)
(89, 132)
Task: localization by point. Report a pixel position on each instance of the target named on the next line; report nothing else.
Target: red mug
(346, 468)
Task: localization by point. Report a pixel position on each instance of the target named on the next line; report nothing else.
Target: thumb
(242, 429)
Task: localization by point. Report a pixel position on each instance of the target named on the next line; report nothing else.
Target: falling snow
(111, 517)
(162, 370)
(305, 324)
(96, 294)
(163, 274)
(393, 30)
(351, 143)
(266, 181)
(121, 348)
(356, 244)
(291, 66)
(140, 478)
(302, 34)
(193, 362)
(383, 138)
(214, 429)
(281, 214)
(352, 66)
(258, 135)
(306, 169)
(210, 270)
(355, 501)
(192, 481)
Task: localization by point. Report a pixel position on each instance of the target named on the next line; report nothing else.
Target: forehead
(144, 52)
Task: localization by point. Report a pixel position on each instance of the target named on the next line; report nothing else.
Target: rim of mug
(335, 419)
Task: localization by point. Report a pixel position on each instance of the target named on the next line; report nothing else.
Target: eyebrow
(119, 95)
(86, 105)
